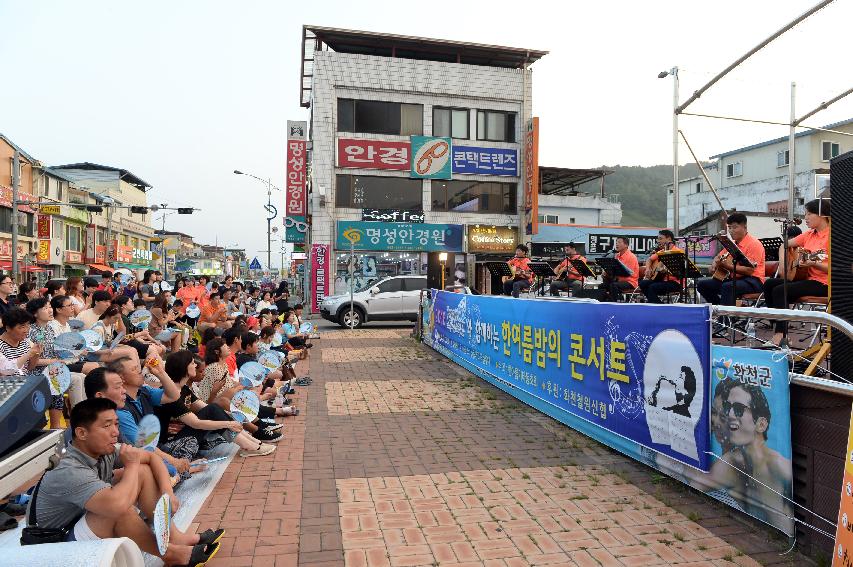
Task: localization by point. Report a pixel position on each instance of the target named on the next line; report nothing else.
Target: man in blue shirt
(141, 399)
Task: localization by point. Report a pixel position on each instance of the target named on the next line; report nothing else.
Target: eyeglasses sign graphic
(431, 157)
(353, 235)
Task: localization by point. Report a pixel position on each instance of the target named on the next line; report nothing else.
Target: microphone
(792, 221)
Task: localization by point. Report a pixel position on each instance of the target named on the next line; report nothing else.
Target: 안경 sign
(373, 154)
(388, 236)
(391, 215)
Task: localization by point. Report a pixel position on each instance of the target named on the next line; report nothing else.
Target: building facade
(755, 178)
(413, 140)
(27, 243)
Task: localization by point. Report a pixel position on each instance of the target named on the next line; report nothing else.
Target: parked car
(391, 299)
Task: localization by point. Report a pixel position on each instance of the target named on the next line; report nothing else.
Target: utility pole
(16, 181)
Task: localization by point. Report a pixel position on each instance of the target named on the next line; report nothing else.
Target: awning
(7, 265)
(100, 268)
(132, 266)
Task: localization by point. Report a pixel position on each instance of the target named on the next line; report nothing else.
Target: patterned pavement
(400, 458)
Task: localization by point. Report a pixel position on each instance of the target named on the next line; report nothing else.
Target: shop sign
(44, 224)
(121, 253)
(141, 256)
(89, 250)
(391, 236)
(295, 193)
(373, 154)
(431, 157)
(319, 274)
(72, 257)
(295, 228)
(6, 250)
(531, 177)
(50, 209)
(485, 161)
(391, 215)
(6, 199)
(100, 254)
(43, 254)
(50, 251)
(638, 243)
(492, 239)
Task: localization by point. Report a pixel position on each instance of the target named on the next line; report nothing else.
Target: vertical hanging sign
(319, 275)
(296, 202)
(531, 177)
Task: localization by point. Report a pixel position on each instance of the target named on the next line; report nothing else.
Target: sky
(183, 93)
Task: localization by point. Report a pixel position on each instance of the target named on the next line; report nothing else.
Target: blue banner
(485, 161)
(388, 236)
(635, 377)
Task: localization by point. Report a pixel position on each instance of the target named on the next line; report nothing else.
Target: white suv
(392, 299)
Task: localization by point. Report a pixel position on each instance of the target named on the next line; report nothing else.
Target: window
(495, 126)
(101, 236)
(72, 238)
(782, 158)
(698, 187)
(371, 192)
(414, 284)
(473, 196)
(550, 219)
(391, 285)
(134, 242)
(571, 220)
(56, 228)
(25, 222)
(829, 150)
(450, 122)
(734, 169)
(378, 117)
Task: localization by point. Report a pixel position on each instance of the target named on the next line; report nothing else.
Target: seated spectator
(7, 287)
(74, 291)
(100, 303)
(265, 301)
(106, 283)
(97, 486)
(298, 341)
(206, 336)
(213, 315)
(27, 291)
(15, 344)
(90, 286)
(275, 381)
(53, 288)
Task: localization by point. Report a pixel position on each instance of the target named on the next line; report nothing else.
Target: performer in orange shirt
(658, 279)
(815, 242)
(748, 279)
(568, 277)
(522, 277)
(627, 283)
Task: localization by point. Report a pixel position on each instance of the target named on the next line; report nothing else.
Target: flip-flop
(209, 536)
(7, 522)
(201, 554)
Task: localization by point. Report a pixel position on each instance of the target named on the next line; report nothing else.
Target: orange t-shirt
(521, 264)
(211, 314)
(814, 241)
(567, 265)
(627, 257)
(668, 277)
(754, 252)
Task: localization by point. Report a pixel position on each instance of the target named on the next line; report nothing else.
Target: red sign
(72, 257)
(373, 154)
(100, 254)
(44, 223)
(297, 177)
(531, 177)
(6, 250)
(6, 199)
(319, 274)
(121, 253)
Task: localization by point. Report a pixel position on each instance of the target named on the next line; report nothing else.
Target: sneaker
(273, 427)
(264, 449)
(264, 434)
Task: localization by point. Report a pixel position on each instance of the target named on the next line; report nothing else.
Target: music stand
(541, 270)
(681, 267)
(771, 248)
(737, 258)
(499, 270)
(613, 267)
(582, 268)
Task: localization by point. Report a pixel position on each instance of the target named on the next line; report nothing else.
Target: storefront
(137, 260)
(382, 249)
(490, 243)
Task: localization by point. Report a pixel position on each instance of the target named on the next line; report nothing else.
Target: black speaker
(434, 269)
(841, 258)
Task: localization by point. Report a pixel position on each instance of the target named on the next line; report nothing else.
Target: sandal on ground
(201, 554)
(209, 536)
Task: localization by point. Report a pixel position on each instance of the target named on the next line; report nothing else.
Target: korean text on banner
(319, 274)
(843, 554)
(485, 161)
(390, 236)
(297, 177)
(531, 177)
(632, 376)
(373, 154)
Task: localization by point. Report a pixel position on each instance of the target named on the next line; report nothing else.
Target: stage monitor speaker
(434, 270)
(841, 252)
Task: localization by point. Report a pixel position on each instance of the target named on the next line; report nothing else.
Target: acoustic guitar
(517, 274)
(798, 272)
(722, 273)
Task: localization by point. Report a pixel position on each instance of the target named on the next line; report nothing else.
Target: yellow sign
(844, 530)
(44, 251)
(50, 210)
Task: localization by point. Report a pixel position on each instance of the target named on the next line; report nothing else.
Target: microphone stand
(785, 224)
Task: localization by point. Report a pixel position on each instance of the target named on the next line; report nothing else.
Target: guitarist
(816, 239)
(567, 277)
(658, 280)
(748, 279)
(522, 276)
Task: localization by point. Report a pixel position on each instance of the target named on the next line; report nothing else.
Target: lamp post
(442, 257)
(272, 212)
(675, 112)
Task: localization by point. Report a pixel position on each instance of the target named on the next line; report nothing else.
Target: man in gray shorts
(98, 484)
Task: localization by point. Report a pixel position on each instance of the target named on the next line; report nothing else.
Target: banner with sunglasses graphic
(295, 229)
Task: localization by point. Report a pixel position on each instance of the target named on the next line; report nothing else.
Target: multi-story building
(412, 141)
(755, 178)
(27, 243)
(125, 235)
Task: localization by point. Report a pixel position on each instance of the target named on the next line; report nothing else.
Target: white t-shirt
(89, 318)
(59, 328)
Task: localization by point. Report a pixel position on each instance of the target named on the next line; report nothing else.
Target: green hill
(641, 191)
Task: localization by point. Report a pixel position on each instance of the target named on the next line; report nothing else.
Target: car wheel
(354, 322)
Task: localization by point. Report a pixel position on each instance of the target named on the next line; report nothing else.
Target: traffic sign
(50, 209)
(255, 265)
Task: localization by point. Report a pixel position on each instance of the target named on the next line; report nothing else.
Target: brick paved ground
(400, 458)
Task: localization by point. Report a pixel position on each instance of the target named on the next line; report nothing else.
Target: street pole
(16, 181)
(351, 278)
(791, 155)
(269, 225)
(675, 189)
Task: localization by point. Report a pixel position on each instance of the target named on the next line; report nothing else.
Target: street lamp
(442, 257)
(272, 212)
(675, 200)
